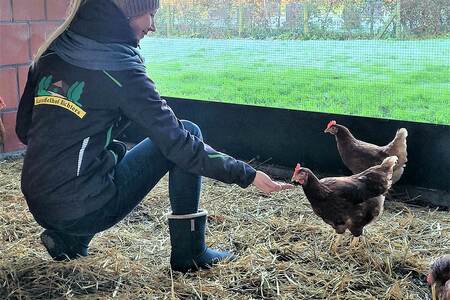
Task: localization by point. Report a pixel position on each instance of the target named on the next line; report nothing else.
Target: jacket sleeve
(141, 103)
(25, 110)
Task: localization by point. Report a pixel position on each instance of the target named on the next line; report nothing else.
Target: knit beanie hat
(134, 8)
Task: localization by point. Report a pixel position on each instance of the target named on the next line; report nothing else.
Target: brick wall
(24, 25)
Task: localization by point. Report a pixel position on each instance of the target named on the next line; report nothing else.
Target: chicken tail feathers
(402, 133)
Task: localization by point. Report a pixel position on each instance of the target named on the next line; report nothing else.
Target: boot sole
(55, 247)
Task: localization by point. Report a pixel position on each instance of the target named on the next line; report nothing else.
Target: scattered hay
(283, 249)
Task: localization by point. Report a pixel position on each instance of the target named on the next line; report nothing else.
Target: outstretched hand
(264, 183)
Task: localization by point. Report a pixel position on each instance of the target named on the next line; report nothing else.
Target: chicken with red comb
(358, 155)
(350, 202)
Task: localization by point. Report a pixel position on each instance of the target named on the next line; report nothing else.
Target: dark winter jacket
(68, 116)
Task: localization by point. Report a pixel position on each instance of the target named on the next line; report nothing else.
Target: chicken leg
(336, 243)
(358, 237)
(356, 241)
(433, 292)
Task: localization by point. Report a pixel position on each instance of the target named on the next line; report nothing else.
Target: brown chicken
(348, 202)
(439, 278)
(359, 156)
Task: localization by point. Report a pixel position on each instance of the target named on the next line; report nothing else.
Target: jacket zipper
(81, 154)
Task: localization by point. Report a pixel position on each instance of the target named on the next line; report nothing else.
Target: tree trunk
(241, 19)
(168, 21)
(194, 19)
(266, 19)
(306, 17)
(279, 14)
(325, 19)
(171, 20)
(372, 17)
(398, 20)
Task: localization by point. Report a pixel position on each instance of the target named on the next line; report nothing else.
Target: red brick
(14, 44)
(11, 141)
(23, 75)
(39, 33)
(26, 10)
(5, 10)
(56, 9)
(8, 86)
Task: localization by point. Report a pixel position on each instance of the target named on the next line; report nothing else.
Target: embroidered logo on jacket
(60, 94)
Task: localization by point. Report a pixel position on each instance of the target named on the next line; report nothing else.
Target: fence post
(398, 20)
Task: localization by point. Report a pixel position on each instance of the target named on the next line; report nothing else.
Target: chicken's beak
(433, 292)
(327, 130)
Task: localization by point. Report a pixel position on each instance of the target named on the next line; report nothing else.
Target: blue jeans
(135, 175)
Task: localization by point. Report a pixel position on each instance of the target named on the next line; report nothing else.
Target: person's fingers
(286, 186)
(279, 186)
(276, 187)
(271, 187)
(267, 185)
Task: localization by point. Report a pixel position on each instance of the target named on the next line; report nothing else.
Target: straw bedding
(283, 251)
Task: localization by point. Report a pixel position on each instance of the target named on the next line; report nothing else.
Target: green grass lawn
(405, 80)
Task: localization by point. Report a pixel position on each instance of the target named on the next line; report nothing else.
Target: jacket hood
(104, 22)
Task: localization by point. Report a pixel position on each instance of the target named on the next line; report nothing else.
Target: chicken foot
(337, 242)
(356, 241)
(433, 292)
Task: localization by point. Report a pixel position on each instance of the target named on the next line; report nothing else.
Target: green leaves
(73, 94)
(43, 86)
(75, 91)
